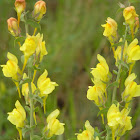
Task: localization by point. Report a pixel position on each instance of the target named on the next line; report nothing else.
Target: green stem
(31, 108)
(120, 67)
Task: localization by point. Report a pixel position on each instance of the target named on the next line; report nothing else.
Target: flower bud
(129, 14)
(20, 6)
(39, 10)
(137, 24)
(13, 26)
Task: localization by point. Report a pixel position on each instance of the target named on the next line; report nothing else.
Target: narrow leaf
(33, 23)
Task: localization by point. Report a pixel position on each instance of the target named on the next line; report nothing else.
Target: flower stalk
(120, 67)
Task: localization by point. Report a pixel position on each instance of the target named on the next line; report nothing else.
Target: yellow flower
(117, 53)
(118, 121)
(39, 10)
(101, 72)
(41, 48)
(87, 134)
(131, 18)
(45, 85)
(133, 52)
(129, 14)
(131, 88)
(13, 26)
(25, 88)
(96, 94)
(54, 127)
(114, 116)
(11, 68)
(17, 116)
(29, 46)
(126, 121)
(110, 29)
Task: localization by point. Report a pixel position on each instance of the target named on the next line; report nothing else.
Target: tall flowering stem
(31, 106)
(34, 49)
(120, 66)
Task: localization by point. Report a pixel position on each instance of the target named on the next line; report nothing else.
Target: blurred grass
(73, 34)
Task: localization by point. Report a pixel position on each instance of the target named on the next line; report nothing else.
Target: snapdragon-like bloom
(133, 51)
(41, 48)
(101, 72)
(110, 30)
(29, 46)
(119, 122)
(130, 16)
(25, 88)
(39, 10)
(117, 53)
(45, 85)
(11, 68)
(87, 134)
(17, 116)
(131, 88)
(96, 94)
(13, 26)
(54, 127)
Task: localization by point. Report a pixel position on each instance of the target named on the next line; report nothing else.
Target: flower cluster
(126, 55)
(118, 121)
(97, 93)
(34, 50)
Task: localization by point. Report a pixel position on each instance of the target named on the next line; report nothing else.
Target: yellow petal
(137, 93)
(12, 57)
(20, 109)
(130, 78)
(53, 115)
(89, 127)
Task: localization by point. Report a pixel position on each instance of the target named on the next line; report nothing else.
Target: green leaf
(33, 24)
(118, 44)
(115, 72)
(26, 80)
(109, 133)
(36, 137)
(25, 130)
(38, 99)
(103, 111)
(36, 68)
(22, 18)
(123, 64)
(27, 108)
(114, 84)
(36, 109)
(134, 1)
(120, 10)
(20, 39)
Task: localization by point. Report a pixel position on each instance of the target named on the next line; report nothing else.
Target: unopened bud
(13, 26)
(39, 10)
(137, 24)
(20, 6)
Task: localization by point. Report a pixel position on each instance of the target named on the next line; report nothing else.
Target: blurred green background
(73, 34)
